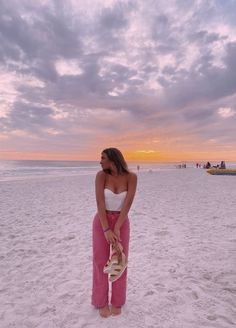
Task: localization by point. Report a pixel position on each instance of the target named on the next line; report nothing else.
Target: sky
(155, 79)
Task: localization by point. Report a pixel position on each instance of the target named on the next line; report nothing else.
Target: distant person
(208, 165)
(115, 190)
(222, 165)
(138, 168)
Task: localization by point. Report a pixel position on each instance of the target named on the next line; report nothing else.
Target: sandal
(118, 269)
(112, 260)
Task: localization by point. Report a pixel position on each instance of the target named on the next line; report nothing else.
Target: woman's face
(105, 162)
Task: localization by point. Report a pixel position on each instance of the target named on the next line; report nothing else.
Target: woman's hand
(111, 237)
(117, 232)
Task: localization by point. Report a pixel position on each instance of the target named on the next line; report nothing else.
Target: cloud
(75, 70)
(226, 112)
(27, 117)
(145, 151)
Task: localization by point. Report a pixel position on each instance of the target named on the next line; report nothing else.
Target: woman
(115, 189)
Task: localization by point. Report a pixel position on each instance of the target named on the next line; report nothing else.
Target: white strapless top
(114, 202)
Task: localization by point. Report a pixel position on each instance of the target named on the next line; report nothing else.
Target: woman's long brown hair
(115, 156)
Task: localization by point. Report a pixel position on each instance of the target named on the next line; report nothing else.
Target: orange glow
(179, 156)
(136, 156)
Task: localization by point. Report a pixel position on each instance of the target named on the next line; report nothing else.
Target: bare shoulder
(100, 175)
(132, 177)
(100, 179)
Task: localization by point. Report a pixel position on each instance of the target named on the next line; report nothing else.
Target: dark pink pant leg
(119, 286)
(101, 250)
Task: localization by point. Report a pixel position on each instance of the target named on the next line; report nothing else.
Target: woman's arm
(132, 184)
(100, 199)
(101, 207)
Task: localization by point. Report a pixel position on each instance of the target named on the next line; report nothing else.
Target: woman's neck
(114, 174)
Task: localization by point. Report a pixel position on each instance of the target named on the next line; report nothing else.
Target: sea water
(26, 169)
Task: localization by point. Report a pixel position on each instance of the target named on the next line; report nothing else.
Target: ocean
(27, 169)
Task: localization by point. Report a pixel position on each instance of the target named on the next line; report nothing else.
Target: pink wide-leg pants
(101, 251)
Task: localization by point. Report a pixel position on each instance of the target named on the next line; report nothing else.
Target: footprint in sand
(214, 317)
(150, 292)
(194, 295)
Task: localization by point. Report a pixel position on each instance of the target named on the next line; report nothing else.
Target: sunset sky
(156, 79)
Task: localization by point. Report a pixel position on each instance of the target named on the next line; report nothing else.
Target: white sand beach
(182, 260)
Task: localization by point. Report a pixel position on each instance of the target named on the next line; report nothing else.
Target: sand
(182, 261)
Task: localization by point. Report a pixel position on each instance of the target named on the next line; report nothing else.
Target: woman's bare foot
(105, 311)
(115, 310)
